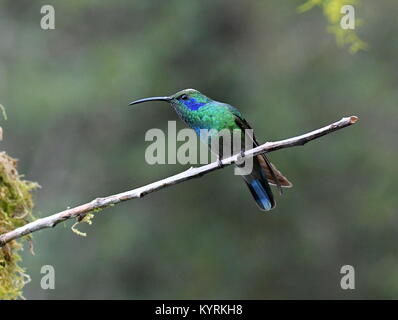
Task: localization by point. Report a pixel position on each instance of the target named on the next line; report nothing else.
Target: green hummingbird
(200, 112)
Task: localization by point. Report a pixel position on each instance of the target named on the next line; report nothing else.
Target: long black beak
(167, 99)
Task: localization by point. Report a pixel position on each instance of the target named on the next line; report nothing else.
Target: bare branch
(100, 203)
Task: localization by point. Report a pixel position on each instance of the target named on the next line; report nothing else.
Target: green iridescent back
(201, 112)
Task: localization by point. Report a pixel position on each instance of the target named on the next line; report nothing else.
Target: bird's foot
(240, 158)
(219, 162)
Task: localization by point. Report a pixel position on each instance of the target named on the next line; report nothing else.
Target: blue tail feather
(258, 185)
(260, 194)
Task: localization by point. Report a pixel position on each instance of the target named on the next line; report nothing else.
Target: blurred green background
(66, 93)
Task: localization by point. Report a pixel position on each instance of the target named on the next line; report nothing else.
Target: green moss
(15, 211)
(331, 10)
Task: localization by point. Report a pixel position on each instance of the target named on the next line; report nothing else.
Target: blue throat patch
(193, 104)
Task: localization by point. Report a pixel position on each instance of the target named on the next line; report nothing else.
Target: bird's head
(188, 98)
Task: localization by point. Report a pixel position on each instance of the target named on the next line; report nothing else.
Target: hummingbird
(199, 112)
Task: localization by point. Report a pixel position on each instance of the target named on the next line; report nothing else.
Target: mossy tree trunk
(15, 210)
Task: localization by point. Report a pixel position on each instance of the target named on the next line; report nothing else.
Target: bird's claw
(240, 158)
(219, 163)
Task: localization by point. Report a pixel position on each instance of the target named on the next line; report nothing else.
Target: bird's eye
(184, 97)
